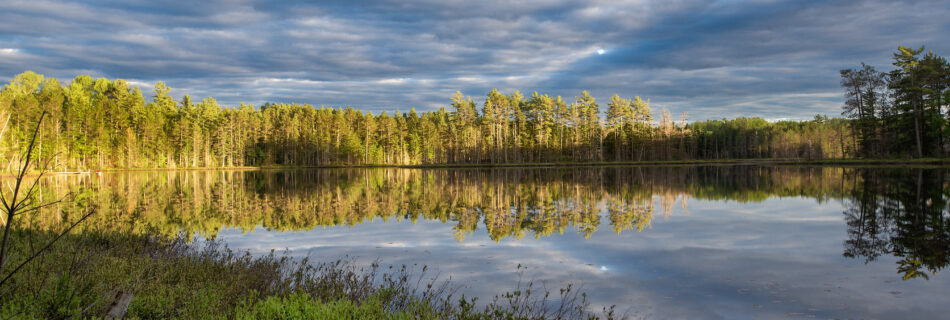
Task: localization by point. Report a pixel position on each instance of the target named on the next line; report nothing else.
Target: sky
(713, 59)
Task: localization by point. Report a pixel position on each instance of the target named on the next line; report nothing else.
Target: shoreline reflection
(888, 211)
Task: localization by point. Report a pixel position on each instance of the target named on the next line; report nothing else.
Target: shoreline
(939, 162)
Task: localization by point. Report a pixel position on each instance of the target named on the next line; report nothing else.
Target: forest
(102, 123)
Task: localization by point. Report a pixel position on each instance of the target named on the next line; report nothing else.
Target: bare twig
(47, 246)
(19, 212)
(21, 203)
(13, 205)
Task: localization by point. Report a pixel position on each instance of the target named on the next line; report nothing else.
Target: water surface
(660, 242)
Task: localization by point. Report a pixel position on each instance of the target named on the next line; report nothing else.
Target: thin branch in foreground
(14, 205)
(38, 207)
(47, 246)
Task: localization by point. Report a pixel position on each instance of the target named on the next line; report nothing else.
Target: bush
(82, 273)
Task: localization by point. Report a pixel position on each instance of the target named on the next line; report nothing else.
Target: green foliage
(902, 113)
(64, 298)
(102, 123)
(302, 306)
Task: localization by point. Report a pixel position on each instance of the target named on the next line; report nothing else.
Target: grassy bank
(84, 274)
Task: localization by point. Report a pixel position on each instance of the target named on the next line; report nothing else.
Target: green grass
(80, 276)
(303, 306)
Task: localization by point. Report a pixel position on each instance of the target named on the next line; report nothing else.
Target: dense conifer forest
(102, 123)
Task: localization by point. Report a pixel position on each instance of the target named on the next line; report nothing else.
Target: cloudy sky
(770, 58)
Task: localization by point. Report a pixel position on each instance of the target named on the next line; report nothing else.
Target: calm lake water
(659, 242)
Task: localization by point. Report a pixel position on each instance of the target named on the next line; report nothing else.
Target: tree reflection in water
(898, 212)
(902, 212)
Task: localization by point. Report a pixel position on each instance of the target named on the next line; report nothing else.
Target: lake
(737, 241)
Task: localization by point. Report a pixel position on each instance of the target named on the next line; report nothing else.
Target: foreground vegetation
(85, 273)
(102, 123)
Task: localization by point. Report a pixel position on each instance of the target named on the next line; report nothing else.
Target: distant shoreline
(941, 162)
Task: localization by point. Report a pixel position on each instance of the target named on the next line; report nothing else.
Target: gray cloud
(775, 59)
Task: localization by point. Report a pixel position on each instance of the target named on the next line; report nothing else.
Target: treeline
(100, 123)
(903, 112)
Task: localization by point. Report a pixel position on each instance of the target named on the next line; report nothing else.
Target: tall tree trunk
(920, 150)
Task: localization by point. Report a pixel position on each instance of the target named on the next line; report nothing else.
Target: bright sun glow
(601, 51)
